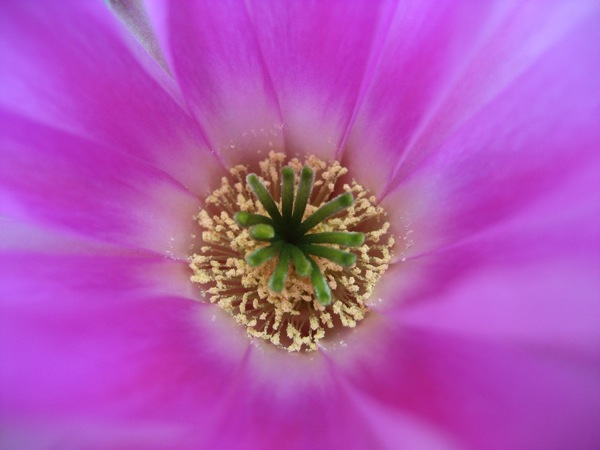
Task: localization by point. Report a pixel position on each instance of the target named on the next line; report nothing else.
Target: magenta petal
(482, 394)
(522, 145)
(474, 123)
(222, 76)
(299, 401)
(81, 73)
(553, 303)
(103, 340)
(21, 236)
(426, 47)
(396, 428)
(292, 403)
(532, 279)
(320, 57)
(81, 187)
(502, 111)
(499, 81)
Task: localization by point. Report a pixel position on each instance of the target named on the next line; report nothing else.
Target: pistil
(287, 256)
(288, 233)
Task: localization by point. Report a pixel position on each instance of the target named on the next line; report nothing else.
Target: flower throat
(291, 254)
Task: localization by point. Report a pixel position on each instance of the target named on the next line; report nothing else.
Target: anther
(291, 276)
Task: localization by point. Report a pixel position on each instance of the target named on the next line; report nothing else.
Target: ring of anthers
(273, 252)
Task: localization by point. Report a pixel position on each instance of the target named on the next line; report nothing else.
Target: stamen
(258, 263)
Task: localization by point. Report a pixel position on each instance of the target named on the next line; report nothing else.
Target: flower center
(275, 250)
(287, 232)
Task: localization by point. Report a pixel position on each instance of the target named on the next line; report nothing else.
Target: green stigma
(288, 235)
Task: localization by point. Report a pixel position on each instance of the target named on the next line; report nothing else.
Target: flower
(476, 126)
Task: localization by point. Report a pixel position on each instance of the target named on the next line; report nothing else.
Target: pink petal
(535, 279)
(286, 401)
(396, 428)
(222, 75)
(496, 336)
(19, 236)
(493, 338)
(425, 48)
(483, 394)
(54, 178)
(502, 81)
(320, 57)
(519, 147)
(99, 340)
(80, 72)
(298, 401)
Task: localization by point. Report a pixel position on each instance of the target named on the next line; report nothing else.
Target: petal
(96, 84)
(552, 303)
(427, 45)
(20, 236)
(397, 429)
(472, 86)
(114, 343)
(287, 401)
(482, 394)
(521, 146)
(222, 75)
(535, 279)
(51, 177)
(299, 400)
(320, 56)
